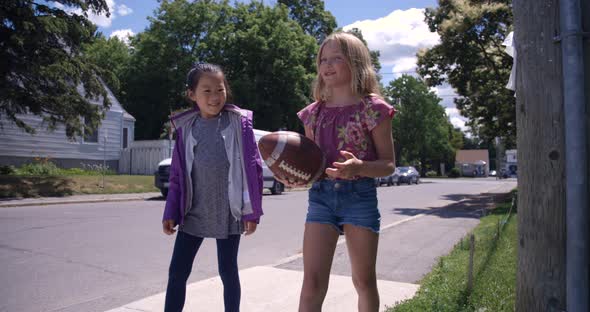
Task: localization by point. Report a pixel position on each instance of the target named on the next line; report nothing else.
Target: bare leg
(319, 243)
(362, 250)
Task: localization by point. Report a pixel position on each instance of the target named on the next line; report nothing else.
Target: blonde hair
(363, 80)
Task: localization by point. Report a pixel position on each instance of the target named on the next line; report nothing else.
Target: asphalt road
(94, 257)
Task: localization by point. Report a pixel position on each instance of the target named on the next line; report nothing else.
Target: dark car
(388, 180)
(408, 175)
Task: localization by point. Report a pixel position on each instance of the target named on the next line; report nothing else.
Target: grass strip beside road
(58, 186)
(494, 271)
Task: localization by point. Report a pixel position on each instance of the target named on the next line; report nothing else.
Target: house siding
(54, 144)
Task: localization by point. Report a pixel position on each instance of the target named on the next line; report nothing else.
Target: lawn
(494, 271)
(63, 185)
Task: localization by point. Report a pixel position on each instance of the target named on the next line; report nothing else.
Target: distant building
(473, 163)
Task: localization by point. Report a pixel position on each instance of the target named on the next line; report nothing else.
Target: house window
(125, 137)
(90, 137)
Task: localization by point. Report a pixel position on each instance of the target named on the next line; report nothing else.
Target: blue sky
(394, 27)
(345, 11)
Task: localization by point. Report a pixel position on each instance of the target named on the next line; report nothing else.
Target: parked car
(389, 180)
(408, 175)
(162, 175)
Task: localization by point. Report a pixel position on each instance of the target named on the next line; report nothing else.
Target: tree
(311, 16)
(267, 58)
(162, 55)
(112, 56)
(421, 132)
(269, 61)
(471, 58)
(456, 137)
(42, 68)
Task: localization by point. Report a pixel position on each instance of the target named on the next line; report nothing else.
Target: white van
(161, 176)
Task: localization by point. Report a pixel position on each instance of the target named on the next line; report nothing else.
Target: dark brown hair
(195, 73)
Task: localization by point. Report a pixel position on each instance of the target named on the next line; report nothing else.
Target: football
(292, 157)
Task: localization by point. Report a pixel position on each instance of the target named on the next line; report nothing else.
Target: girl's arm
(308, 132)
(385, 163)
(172, 209)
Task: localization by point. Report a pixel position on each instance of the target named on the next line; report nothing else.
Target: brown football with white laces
(292, 157)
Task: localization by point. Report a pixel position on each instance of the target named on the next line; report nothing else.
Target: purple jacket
(176, 201)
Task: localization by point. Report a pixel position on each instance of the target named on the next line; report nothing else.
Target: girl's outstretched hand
(347, 169)
(168, 226)
(250, 227)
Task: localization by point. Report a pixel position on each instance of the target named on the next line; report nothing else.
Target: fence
(142, 157)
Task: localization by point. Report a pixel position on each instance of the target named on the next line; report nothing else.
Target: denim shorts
(339, 202)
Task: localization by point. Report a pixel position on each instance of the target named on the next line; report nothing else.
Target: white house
(115, 133)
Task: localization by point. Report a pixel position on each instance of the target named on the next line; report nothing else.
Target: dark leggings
(185, 250)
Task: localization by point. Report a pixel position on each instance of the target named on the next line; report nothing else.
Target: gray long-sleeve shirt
(209, 214)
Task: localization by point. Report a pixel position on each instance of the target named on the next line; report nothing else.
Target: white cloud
(398, 36)
(405, 65)
(124, 10)
(123, 35)
(101, 19)
(446, 93)
(456, 119)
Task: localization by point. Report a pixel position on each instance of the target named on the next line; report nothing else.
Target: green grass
(64, 185)
(445, 288)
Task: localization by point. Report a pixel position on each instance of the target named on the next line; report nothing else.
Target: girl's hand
(168, 226)
(347, 169)
(250, 227)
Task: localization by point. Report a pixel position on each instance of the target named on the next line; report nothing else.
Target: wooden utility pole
(541, 172)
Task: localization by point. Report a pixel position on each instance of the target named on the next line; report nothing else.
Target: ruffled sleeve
(308, 115)
(376, 111)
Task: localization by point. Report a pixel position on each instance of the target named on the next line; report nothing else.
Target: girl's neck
(342, 97)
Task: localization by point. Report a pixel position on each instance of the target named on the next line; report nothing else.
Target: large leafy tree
(162, 55)
(311, 16)
(422, 132)
(113, 56)
(269, 61)
(471, 58)
(42, 69)
(267, 58)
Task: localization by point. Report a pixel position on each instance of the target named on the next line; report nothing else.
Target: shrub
(7, 170)
(97, 169)
(454, 173)
(431, 173)
(44, 168)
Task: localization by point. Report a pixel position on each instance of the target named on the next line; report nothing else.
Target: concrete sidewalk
(266, 289)
(77, 199)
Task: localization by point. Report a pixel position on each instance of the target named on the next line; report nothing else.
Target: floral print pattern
(346, 128)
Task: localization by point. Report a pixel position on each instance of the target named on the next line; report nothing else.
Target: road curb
(74, 201)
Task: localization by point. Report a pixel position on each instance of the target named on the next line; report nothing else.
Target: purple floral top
(346, 128)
